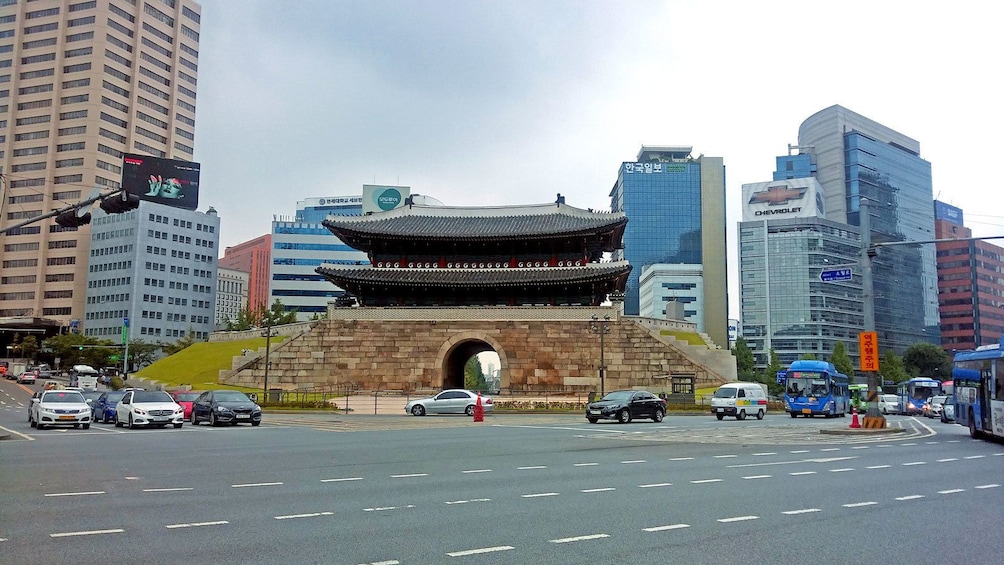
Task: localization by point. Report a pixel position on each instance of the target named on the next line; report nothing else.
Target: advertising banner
(382, 198)
(164, 181)
(791, 198)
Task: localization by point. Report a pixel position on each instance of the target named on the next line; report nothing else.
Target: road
(514, 489)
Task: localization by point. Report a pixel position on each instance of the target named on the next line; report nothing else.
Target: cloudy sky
(511, 102)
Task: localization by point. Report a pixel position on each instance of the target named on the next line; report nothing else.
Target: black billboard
(164, 181)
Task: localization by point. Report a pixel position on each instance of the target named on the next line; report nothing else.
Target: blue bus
(914, 392)
(816, 387)
(979, 390)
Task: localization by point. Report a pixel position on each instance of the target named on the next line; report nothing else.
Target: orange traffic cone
(854, 421)
(479, 410)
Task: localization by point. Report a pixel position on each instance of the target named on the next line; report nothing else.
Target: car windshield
(725, 392)
(230, 396)
(938, 399)
(186, 396)
(63, 396)
(114, 396)
(151, 396)
(618, 395)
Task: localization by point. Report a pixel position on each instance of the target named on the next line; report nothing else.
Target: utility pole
(867, 340)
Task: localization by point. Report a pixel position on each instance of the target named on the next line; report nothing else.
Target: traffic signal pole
(94, 197)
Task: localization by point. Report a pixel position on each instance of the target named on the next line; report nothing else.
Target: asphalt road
(514, 489)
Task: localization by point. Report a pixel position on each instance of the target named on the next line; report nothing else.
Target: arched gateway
(446, 283)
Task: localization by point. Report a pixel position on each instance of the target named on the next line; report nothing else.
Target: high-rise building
(855, 158)
(154, 267)
(253, 257)
(675, 204)
(231, 295)
(970, 283)
(81, 83)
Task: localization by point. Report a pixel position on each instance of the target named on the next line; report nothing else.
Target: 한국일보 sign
(164, 181)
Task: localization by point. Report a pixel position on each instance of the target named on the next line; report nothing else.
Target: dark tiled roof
(433, 222)
(366, 275)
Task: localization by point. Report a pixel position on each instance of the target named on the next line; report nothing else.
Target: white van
(739, 400)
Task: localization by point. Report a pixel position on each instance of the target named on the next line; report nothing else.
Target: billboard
(790, 198)
(164, 181)
(382, 198)
(948, 213)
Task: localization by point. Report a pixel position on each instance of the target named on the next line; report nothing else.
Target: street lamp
(267, 334)
(601, 327)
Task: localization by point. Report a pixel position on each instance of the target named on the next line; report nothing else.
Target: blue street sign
(780, 377)
(835, 275)
(125, 321)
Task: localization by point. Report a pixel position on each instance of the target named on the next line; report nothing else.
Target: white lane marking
(86, 533)
(664, 528)
(802, 511)
(482, 550)
(991, 485)
(634, 461)
(653, 485)
(830, 449)
(724, 456)
(905, 444)
(246, 485)
(17, 433)
(76, 493)
(409, 475)
(737, 519)
(477, 471)
(765, 454)
(860, 447)
(382, 508)
(954, 441)
(391, 562)
(910, 497)
(799, 451)
(859, 504)
(951, 491)
(341, 480)
(579, 538)
(800, 473)
(538, 495)
(604, 489)
(531, 467)
(841, 470)
(584, 464)
(681, 458)
(947, 460)
(308, 515)
(974, 457)
(167, 489)
(878, 467)
(467, 501)
(930, 442)
(196, 524)
(797, 462)
(757, 477)
(703, 481)
(910, 464)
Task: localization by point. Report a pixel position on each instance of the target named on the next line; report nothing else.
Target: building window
(33, 120)
(119, 43)
(35, 89)
(80, 21)
(76, 130)
(74, 99)
(38, 58)
(77, 68)
(119, 27)
(117, 105)
(78, 52)
(80, 36)
(67, 179)
(76, 83)
(70, 146)
(73, 115)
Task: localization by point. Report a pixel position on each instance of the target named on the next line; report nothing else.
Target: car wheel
(972, 426)
(657, 417)
(115, 420)
(132, 426)
(76, 426)
(759, 414)
(255, 424)
(624, 416)
(194, 421)
(741, 415)
(793, 415)
(719, 416)
(178, 425)
(469, 410)
(593, 420)
(418, 410)
(212, 419)
(31, 422)
(87, 426)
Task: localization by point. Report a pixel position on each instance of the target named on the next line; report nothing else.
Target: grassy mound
(199, 365)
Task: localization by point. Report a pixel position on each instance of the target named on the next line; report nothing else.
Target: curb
(863, 431)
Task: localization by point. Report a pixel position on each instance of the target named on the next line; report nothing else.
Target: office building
(675, 204)
(970, 283)
(854, 158)
(81, 83)
(154, 267)
(252, 257)
(231, 296)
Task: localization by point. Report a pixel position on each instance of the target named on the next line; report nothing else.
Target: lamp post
(267, 334)
(602, 327)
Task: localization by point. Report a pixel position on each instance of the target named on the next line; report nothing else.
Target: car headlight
(256, 408)
(47, 409)
(84, 411)
(139, 411)
(222, 409)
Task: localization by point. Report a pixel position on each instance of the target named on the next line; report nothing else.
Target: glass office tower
(675, 205)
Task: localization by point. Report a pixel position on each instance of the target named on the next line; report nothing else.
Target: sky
(511, 102)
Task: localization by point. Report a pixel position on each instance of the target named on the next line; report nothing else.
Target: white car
(453, 401)
(148, 408)
(59, 408)
(888, 404)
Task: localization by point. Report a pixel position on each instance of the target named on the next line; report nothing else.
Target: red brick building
(252, 257)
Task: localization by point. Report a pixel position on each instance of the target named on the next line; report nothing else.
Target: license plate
(719, 410)
(594, 411)
(67, 417)
(158, 419)
(243, 416)
(806, 411)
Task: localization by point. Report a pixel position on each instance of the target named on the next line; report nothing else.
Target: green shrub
(116, 382)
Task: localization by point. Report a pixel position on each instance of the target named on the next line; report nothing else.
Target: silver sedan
(453, 401)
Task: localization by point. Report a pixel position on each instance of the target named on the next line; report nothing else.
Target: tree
(841, 360)
(474, 379)
(745, 362)
(927, 360)
(278, 315)
(769, 376)
(892, 368)
(172, 348)
(808, 356)
(142, 353)
(246, 319)
(29, 347)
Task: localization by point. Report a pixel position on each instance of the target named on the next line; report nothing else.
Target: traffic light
(72, 219)
(122, 202)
